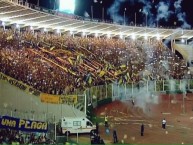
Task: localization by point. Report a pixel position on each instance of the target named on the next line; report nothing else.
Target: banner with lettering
(47, 98)
(69, 99)
(22, 124)
(19, 84)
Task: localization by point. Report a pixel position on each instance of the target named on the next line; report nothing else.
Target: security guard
(106, 121)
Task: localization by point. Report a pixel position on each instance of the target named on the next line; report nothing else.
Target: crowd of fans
(8, 136)
(57, 64)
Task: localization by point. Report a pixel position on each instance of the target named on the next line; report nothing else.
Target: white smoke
(181, 15)
(144, 97)
(172, 85)
(141, 95)
(147, 11)
(86, 14)
(183, 86)
(113, 11)
(163, 11)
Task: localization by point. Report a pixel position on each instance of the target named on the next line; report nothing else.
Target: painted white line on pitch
(186, 128)
(170, 125)
(129, 120)
(166, 113)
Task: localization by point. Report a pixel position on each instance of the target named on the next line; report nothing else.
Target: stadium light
(133, 36)
(3, 23)
(83, 33)
(121, 35)
(31, 28)
(96, 34)
(17, 25)
(108, 35)
(182, 40)
(58, 30)
(145, 36)
(158, 36)
(71, 31)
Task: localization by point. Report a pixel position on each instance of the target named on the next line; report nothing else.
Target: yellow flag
(79, 59)
(73, 73)
(71, 62)
(128, 76)
(9, 37)
(117, 73)
(102, 73)
(120, 80)
(53, 47)
(90, 80)
(123, 66)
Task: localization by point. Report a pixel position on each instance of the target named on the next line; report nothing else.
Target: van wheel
(67, 133)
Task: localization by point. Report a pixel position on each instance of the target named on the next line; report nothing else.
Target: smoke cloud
(163, 11)
(181, 15)
(113, 11)
(147, 11)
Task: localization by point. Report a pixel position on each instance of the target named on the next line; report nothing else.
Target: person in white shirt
(164, 123)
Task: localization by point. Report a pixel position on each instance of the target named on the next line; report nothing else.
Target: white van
(76, 125)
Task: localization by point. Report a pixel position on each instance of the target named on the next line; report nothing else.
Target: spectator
(44, 60)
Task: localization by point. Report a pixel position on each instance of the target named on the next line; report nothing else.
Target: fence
(127, 91)
(113, 91)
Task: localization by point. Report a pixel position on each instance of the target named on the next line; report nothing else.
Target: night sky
(132, 7)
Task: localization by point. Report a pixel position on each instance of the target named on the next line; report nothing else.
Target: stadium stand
(55, 62)
(8, 136)
(60, 63)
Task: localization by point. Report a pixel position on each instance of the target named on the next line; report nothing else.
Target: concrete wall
(19, 103)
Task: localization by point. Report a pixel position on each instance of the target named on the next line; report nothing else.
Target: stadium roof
(13, 13)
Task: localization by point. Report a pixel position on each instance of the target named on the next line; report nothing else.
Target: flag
(102, 73)
(71, 62)
(73, 73)
(53, 47)
(79, 58)
(120, 81)
(90, 80)
(9, 37)
(117, 73)
(123, 66)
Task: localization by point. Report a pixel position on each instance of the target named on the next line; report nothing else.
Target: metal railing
(127, 91)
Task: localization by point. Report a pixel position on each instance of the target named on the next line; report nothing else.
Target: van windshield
(88, 123)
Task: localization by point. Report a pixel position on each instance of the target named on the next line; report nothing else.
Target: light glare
(67, 6)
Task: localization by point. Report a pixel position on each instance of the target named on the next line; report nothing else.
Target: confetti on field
(125, 136)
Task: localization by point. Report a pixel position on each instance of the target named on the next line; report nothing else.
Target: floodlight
(133, 36)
